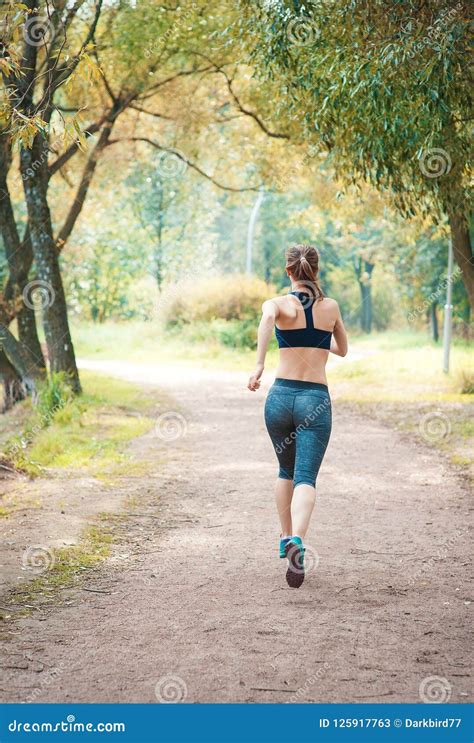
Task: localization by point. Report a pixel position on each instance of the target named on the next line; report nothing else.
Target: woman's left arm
(265, 330)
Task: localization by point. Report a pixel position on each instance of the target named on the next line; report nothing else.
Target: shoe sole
(295, 572)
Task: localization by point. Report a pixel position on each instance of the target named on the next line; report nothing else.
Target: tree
(49, 56)
(382, 88)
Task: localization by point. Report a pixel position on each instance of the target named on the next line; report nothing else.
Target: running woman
(308, 326)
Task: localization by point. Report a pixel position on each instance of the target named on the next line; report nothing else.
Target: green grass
(144, 342)
(90, 431)
(403, 369)
(68, 565)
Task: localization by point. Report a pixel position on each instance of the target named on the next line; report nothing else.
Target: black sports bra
(308, 337)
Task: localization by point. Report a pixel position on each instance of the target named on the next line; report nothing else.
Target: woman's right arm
(339, 336)
(270, 312)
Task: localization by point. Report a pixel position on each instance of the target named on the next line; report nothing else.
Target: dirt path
(193, 604)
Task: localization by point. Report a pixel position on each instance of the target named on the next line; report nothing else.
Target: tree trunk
(434, 321)
(462, 249)
(18, 358)
(55, 320)
(363, 270)
(366, 306)
(19, 257)
(13, 389)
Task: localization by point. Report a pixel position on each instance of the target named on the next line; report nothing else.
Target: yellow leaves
(5, 66)
(86, 70)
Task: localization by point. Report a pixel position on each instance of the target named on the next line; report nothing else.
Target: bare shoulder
(329, 304)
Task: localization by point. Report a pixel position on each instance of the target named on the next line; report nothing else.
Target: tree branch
(83, 188)
(185, 160)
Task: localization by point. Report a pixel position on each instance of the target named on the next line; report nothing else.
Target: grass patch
(399, 368)
(87, 431)
(67, 566)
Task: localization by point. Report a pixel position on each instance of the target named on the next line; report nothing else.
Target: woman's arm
(265, 330)
(339, 336)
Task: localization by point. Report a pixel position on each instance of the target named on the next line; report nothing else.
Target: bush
(465, 382)
(53, 395)
(218, 298)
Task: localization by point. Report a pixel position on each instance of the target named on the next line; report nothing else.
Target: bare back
(305, 364)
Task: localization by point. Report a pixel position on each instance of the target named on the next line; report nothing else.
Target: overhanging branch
(185, 160)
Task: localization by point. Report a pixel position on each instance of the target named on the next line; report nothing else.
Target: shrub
(465, 382)
(234, 297)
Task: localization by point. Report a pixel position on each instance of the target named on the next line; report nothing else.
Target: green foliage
(53, 395)
(376, 85)
(236, 334)
(100, 278)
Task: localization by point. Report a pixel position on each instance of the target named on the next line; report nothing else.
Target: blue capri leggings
(298, 419)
